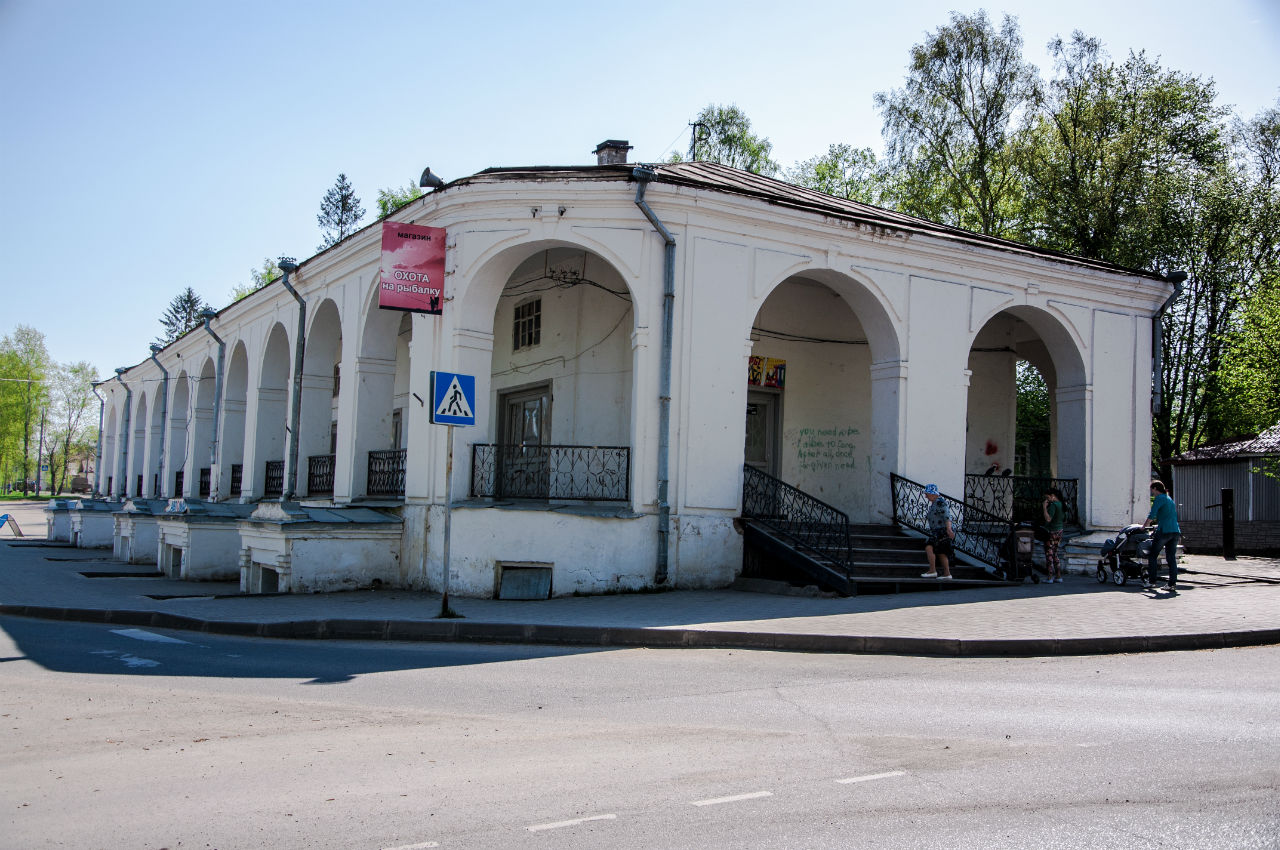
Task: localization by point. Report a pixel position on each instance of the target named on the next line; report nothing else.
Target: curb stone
(652, 638)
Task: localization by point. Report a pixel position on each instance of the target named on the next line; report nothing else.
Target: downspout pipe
(288, 266)
(208, 316)
(642, 177)
(125, 435)
(1177, 278)
(97, 464)
(164, 415)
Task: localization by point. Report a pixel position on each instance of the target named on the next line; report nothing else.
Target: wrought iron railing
(273, 478)
(320, 475)
(179, 478)
(980, 534)
(570, 473)
(237, 480)
(1018, 498)
(206, 482)
(386, 473)
(809, 524)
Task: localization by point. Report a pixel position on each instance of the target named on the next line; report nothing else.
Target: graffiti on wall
(826, 449)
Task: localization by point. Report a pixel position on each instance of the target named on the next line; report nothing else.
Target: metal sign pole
(448, 518)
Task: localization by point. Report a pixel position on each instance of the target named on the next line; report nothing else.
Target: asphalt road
(127, 738)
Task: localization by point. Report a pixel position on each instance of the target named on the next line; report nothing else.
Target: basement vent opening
(524, 580)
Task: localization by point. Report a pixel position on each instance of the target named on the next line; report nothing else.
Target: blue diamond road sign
(453, 399)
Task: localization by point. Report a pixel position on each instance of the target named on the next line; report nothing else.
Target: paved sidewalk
(1221, 603)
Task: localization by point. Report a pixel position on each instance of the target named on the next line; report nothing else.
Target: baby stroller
(1125, 556)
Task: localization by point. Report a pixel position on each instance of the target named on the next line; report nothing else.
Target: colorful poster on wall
(766, 372)
(775, 373)
(412, 268)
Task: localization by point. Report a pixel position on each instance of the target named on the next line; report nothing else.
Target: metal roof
(711, 176)
(1266, 443)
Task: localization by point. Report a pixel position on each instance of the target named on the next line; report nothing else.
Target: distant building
(1250, 469)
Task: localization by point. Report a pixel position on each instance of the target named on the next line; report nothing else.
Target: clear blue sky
(148, 146)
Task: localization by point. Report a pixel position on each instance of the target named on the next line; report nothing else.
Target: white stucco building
(893, 342)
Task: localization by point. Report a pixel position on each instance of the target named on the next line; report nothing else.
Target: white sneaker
(945, 578)
(928, 575)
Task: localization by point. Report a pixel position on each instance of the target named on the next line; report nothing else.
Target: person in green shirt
(1054, 518)
(1164, 513)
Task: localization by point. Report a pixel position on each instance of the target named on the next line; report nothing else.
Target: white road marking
(421, 846)
(142, 634)
(735, 798)
(871, 776)
(561, 824)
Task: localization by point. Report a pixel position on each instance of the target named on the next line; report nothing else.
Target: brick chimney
(612, 152)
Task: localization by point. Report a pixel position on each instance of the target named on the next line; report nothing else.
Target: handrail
(1018, 498)
(808, 522)
(980, 534)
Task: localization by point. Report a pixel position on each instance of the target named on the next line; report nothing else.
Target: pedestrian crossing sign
(453, 399)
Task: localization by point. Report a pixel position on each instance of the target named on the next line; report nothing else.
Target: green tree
(949, 131)
(258, 278)
(70, 428)
(181, 316)
(340, 213)
(1112, 152)
(390, 200)
(843, 171)
(1032, 438)
(25, 363)
(723, 134)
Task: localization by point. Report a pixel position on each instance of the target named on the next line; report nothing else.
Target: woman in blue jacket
(1164, 513)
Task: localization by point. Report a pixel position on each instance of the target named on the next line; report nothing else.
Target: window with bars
(527, 329)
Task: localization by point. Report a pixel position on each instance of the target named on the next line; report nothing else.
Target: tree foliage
(390, 200)
(949, 131)
(723, 134)
(24, 368)
(844, 172)
(71, 429)
(340, 213)
(258, 278)
(182, 315)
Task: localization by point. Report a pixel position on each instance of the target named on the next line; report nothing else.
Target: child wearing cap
(938, 546)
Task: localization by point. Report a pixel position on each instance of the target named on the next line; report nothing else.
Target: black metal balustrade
(979, 533)
(320, 475)
(809, 524)
(386, 473)
(1018, 498)
(179, 478)
(206, 482)
(570, 473)
(237, 480)
(273, 479)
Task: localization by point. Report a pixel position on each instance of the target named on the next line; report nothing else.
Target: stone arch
(318, 411)
(580, 371)
(202, 445)
(107, 463)
(179, 419)
(137, 477)
(1024, 332)
(835, 425)
(234, 405)
(153, 485)
(381, 387)
(272, 416)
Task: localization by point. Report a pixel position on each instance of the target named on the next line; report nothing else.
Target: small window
(397, 420)
(527, 330)
(333, 438)
(337, 378)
